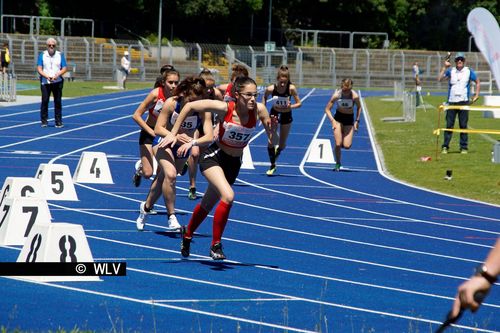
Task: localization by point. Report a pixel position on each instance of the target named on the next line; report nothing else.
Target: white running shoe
(173, 224)
(143, 216)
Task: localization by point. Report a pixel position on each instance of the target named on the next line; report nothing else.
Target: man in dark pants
(51, 66)
(459, 78)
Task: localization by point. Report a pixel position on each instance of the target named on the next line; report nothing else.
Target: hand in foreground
(466, 299)
(168, 141)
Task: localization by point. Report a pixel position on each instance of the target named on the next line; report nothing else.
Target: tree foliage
(417, 24)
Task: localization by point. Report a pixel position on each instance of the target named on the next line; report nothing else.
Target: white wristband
(194, 143)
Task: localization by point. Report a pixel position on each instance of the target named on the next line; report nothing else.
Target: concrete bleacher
(98, 59)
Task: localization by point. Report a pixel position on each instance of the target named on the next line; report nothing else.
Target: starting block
(320, 151)
(57, 242)
(19, 216)
(247, 162)
(16, 187)
(93, 168)
(56, 182)
(21, 187)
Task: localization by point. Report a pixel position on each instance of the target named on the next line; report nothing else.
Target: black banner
(105, 268)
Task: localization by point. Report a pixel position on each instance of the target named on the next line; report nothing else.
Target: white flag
(484, 27)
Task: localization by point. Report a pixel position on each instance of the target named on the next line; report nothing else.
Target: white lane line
(172, 307)
(276, 248)
(383, 171)
(357, 225)
(64, 132)
(94, 145)
(69, 106)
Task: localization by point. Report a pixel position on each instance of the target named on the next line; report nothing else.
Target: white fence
(7, 88)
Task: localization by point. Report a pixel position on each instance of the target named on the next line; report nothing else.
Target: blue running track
(309, 250)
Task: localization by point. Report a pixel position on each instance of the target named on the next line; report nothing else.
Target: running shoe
(136, 179)
(464, 151)
(44, 125)
(337, 167)
(173, 224)
(60, 125)
(184, 169)
(271, 171)
(216, 252)
(444, 150)
(185, 243)
(192, 193)
(143, 216)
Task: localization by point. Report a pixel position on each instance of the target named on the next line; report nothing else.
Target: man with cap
(125, 68)
(459, 78)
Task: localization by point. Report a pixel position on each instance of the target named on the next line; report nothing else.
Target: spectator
(125, 68)
(459, 78)
(51, 66)
(5, 57)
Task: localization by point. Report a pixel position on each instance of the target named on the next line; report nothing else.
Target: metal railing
(96, 59)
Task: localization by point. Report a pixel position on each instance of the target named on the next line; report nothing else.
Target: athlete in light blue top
(459, 78)
(51, 66)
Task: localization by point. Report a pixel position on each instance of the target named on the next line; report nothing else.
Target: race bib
(281, 101)
(236, 135)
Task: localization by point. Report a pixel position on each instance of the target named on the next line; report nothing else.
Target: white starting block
(57, 242)
(320, 151)
(93, 168)
(19, 216)
(56, 182)
(17, 187)
(21, 187)
(247, 162)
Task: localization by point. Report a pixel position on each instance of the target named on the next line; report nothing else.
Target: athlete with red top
(237, 70)
(152, 104)
(221, 162)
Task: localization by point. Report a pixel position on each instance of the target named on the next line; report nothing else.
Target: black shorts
(284, 118)
(346, 119)
(145, 138)
(214, 156)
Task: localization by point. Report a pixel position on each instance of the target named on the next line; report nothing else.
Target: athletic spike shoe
(184, 169)
(192, 193)
(143, 216)
(173, 224)
(216, 252)
(337, 167)
(271, 171)
(185, 243)
(136, 179)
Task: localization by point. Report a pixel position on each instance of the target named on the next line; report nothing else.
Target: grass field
(402, 144)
